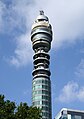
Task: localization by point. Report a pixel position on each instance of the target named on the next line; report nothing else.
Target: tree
(22, 110)
(26, 112)
(9, 110)
(34, 113)
(6, 108)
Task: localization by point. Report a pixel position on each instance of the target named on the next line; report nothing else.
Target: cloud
(81, 94)
(23, 54)
(2, 7)
(80, 69)
(67, 20)
(71, 92)
(26, 92)
(17, 22)
(66, 17)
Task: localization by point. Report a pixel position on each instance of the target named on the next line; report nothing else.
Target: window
(37, 103)
(35, 87)
(45, 103)
(45, 114)
(45, 97)
(37, 92)
(76, 117)
(41, 80)
(45, 87)
(45, 108)
(37, 97)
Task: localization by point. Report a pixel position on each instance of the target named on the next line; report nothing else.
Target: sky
(67, 50)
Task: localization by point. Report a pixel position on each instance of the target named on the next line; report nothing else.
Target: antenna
(41, 12)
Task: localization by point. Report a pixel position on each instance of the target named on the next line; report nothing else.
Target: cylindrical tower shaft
(41, 37)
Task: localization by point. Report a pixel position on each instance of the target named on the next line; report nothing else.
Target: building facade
(70, 114)
(41, 37)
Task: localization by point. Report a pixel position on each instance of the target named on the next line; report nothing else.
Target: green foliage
(6, 108)
(22, 110)
(34, 113)
(9, 110)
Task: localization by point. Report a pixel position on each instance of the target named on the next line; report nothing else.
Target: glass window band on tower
(41, 37)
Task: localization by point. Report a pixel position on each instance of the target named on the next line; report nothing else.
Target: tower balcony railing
(40, 43)
(41, 25)
(41, 75)
(41, 53)
(41, 39)
(41, 65)
(41, 60)
(41, 71)
(41, 31)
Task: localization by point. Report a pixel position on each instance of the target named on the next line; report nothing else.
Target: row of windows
(35, 87)
(45, 97)
(42, 103)
(41, 97)
(45, 103)
(75, 117)
(46, 108)
(41, 92)
(69, 116)
(46, 115)
(37, 103)
(41, 81)
(37, 97)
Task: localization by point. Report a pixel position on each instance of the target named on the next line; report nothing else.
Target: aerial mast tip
(41, 12)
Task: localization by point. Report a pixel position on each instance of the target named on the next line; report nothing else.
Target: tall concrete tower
(41, 37)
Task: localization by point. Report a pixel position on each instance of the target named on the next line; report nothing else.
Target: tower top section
(42, 17)
(41, 20)
(41, 33)
(41, 12)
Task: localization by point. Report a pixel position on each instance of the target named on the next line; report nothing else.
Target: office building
(70, 114)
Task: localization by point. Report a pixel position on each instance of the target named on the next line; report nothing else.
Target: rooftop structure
(70, 114)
